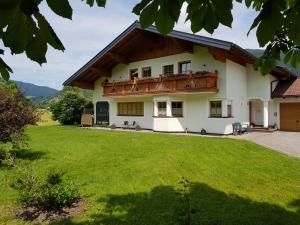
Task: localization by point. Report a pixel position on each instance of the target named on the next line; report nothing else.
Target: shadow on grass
(212, 207)
(27, 154)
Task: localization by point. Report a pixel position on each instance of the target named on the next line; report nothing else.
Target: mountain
(259, 52)
(32, 90)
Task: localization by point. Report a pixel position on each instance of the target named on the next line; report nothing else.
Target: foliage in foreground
(50, 194)
(69, 106)
(25, 30)
(15, 113)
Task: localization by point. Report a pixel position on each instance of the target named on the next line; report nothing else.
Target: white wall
(236, 82)
(258, 86)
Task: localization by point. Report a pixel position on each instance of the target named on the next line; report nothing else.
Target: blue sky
(93, 28)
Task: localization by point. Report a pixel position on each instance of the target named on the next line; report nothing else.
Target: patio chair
(125, 125)
(133, 125)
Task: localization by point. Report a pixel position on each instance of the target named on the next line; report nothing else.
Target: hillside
(259, 52)
(32, 90)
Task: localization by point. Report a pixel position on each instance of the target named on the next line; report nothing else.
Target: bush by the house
(51, 194)
(67, 109)
(16, 112)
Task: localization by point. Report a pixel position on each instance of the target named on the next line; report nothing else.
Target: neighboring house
(184, 82)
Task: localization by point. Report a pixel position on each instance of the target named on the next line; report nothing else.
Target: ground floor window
(177, 109)
(162, 108)
(216, 109)
(130, 109)
(229, 110)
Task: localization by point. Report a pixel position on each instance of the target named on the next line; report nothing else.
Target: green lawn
(131, 178)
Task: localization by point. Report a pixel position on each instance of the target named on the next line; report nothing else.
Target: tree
(67, 109)
(24, 29)
(15, 113)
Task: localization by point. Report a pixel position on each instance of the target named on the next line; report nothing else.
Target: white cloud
(91, 29)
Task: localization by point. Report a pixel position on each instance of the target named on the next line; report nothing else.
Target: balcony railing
(178, 83)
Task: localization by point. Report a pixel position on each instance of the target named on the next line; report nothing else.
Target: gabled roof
(287, 89)
(101, 63)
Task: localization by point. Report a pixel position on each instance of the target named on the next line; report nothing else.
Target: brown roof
(136, 44)
(287, 88)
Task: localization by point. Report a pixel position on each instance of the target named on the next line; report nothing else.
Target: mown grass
(132, 178)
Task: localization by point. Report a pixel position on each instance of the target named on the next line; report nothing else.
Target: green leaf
(4, 69)
(90, 2)
(48, 33)
(271, 21)
(101, 3)
(138, 8)
(61, 8)
(164, 21)
(37, 49)
(197, 20)
(211, 21)
(18, 33)
(29, 7)
(223, 10)
(149, 14)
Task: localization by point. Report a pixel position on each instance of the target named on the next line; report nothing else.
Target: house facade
(186, 83)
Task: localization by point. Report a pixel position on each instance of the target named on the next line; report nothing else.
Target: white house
(184, 82)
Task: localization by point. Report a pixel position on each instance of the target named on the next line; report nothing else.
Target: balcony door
(102, 113)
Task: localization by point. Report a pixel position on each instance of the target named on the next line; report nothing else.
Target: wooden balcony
(178, 83)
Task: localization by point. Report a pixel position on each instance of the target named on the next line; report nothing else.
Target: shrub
(67, 109)
(50, 194)
(15, 113)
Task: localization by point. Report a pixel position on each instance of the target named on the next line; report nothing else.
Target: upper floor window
(146, 71)
(177, 109)
(161, 108)
(184, 67)
(168, 69)
(216, 109)
(134, 73)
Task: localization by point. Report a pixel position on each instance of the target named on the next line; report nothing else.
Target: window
(184, 67)
(168, 69)
(130, 109)
(215, 109)
(229, 110)
(177, 109)
(161, 109)
(146, 72)
(134, 73)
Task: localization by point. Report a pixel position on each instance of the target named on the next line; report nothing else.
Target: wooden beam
(118, 58)
(222, 55)
(101, 72)
(83, 84)
(184, 45)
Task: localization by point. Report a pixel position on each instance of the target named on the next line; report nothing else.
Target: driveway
(286, 142)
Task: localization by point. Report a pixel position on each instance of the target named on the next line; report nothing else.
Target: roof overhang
(289, 88)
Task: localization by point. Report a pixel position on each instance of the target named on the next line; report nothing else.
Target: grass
(45, 119)
(132, 178)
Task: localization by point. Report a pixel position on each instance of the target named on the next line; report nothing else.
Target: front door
(102, 113)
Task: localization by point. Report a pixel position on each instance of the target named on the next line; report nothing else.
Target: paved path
(286, 142)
